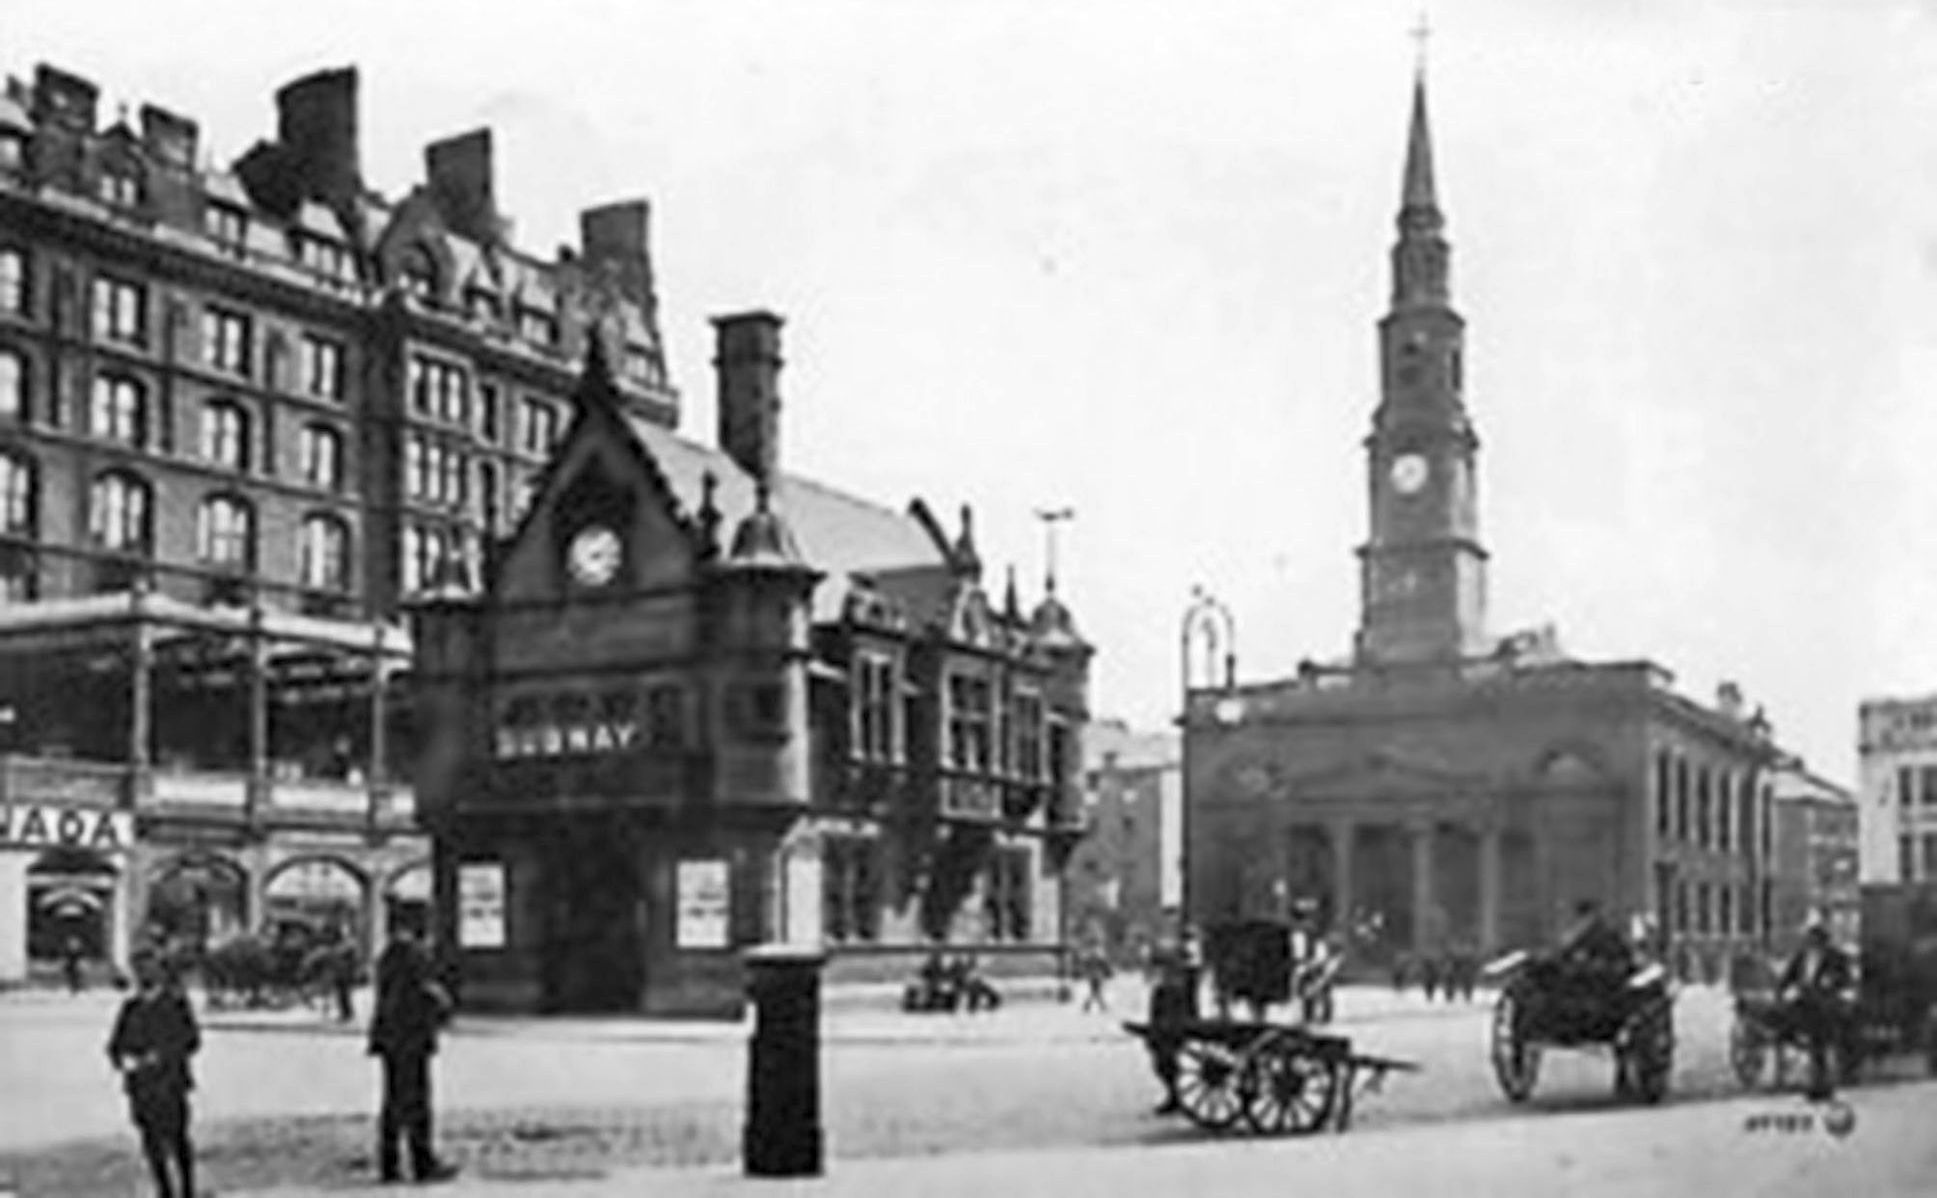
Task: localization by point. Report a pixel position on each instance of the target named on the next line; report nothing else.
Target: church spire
(1418, 196)
(1420, 260)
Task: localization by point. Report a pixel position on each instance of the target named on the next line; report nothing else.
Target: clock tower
(1422, 570)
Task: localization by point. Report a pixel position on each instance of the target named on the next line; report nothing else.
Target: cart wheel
(1749, 1052)
(1209, 1076)
(1648, 1058)
(1288, 1093)
(1516, 1063)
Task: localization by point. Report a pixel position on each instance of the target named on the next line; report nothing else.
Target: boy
(154, 1035)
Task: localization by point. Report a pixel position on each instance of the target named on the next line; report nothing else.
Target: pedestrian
(71, 958)
(344, 967)
(1096, 974)
(1815, 992)
(1173, 1004)
(410, 1009)
(154, 1036)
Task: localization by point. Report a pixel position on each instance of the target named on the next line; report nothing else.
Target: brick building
(704, 704)
(245, 413)
(1122, 878)
(1817, 876)
(1444, 785)
(1897, 789)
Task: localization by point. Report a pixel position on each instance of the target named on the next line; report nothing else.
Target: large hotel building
(245, 415)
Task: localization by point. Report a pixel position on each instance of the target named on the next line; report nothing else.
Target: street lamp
(1209, 629)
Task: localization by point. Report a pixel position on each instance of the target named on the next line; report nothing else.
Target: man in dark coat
(1814, 989)
(154, 1036)
(410, 1009)
(1173, 1002)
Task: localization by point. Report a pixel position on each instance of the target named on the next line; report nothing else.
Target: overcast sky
(1128, 257)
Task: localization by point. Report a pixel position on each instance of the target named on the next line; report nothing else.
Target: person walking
(154, 1036)
(344, 966)
(72, 959)
(1816, 991)
(410, 1010)
(1096, 975)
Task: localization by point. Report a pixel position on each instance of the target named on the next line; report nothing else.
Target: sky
(1128, 258)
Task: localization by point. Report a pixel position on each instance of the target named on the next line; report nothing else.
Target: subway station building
(703, 704)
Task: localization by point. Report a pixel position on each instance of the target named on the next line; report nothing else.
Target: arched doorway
(407, 900)
(70, 903)
(314, 899)
(197, 902)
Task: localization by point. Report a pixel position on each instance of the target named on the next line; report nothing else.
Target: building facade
(245, 414)
(704, 704)
(1817, 872)
(1897, 789)
(1445, 787)
(1122, 888)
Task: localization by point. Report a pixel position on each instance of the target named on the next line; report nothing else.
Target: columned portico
(1342, 830)
(1490, 883)
(1424, 894)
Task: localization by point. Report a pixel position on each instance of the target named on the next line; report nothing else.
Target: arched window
(17, 494)
(13, 386)
(322, 454)
(225, 434)
(120, 513)
(325, 564)
(225, 532)
(120, 411)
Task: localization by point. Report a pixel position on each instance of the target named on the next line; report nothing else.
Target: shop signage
(566, 740)
(703, 904)
(480, 904)
(32, 826)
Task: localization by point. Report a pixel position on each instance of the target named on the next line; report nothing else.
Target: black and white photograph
(975, 598)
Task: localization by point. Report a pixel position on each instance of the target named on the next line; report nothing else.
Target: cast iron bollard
(782, 1137)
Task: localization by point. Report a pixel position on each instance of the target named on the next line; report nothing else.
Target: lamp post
(1208, 640)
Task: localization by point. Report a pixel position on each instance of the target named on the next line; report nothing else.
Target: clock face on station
(1409, 473)
(594, 555)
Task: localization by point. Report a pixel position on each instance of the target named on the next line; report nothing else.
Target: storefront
(63, 886)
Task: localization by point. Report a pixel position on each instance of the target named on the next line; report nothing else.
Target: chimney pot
(461, 185)
(747, 359)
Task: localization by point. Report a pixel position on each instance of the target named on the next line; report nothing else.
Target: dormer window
(419, 276)
(481, 304)
(13, 151)
(640, 363)
(538, 327)
(227, 224)
(121, 187)
(325, 257)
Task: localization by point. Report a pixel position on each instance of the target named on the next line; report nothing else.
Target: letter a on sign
(105, 836)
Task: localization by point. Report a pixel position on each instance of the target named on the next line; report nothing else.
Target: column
(13, 915)
(121, 913)
(141, 714)
(379, 738)
(1342, 834)
(258, 714)
(1422, 885)
(1491, 834)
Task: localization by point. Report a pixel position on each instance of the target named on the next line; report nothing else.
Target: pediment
(970, 622)
(1571, 765)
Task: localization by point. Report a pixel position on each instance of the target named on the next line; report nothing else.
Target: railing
(176, 788)
(62, 781)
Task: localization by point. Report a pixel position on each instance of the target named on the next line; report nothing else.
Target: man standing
(1173, 1003)
(153, 1038)
(1814, 986)
(72, 958)
(411, 1008)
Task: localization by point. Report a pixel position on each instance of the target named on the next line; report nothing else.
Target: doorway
(594, 947)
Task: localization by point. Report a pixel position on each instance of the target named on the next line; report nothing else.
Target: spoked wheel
(1209, 1080)
(1750, 1051)
(1288, 1094)
(1516, 1063)
(1646, 1058)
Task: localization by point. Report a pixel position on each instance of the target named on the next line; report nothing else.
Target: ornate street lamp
(1208, 640)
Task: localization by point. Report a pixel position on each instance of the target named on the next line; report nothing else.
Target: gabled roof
(839, 534)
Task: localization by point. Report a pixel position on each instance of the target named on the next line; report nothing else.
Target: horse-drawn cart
(1273, 1078)
(1546, 1002)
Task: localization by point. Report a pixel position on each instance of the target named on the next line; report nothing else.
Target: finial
(1419, 33)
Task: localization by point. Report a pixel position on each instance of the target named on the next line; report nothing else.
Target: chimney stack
(317, 127)
(170, 139)
(459, 172)
(615, 235)
(748, 361)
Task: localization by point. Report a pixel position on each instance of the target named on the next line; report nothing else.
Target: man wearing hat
(1815, 990)
(154, 1036)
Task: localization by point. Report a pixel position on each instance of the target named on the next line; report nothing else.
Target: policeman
(154, 1036)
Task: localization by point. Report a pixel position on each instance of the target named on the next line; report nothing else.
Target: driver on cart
(1814, 991)
(1594, 959)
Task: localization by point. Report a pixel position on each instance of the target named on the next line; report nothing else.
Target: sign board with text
(480, 904)
(705, 904)
(40, 827)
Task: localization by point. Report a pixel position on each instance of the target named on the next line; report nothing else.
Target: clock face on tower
(1409, 473)
(594, 555)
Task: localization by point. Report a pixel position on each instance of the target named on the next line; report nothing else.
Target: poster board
(480, 904)
(704, 905)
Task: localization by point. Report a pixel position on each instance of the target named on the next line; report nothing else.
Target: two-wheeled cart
(1275, 1079)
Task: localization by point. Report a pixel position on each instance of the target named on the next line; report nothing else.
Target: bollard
(782, 1136)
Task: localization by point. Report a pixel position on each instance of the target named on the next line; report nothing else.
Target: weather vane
(1050, 518)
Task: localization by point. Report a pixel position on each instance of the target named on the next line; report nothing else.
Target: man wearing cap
(1814, 989)
(154, 1036)
(410, 1009)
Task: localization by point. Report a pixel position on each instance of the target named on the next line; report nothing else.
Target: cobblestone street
(291, 1103)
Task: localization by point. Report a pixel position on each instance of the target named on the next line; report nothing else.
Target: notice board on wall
(704, 905)
(480, 904)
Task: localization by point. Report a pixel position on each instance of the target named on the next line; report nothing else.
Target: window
(1725, 909)
(641, 363)
(666, 717)
(539, 422)
(13, 151)
(120, 311)
(321, 449)
(225, 532)
(1702, 909)
(225, 340)
(13, 281)
(419, 275)
(850, 889)
(481, 304)
(425, 551)
(16, 495)
(119, 513)
(1681, 800)
(523, 493)
(1007, 894)
(226, 224)
(968, 723)
(225, 434)
(1702, 825)
(437, 390)
(541, 327)
(1724, 809)
(1906, 786)
(1746, 821)
(325, 257)
(1746, 908)
(1930, 856)
(1029, 730)
(120, 411)
(1664, 806)
(488, 411)
(322, 365)
(434, 472)
(1928, 796)
(487, 490)
(121, 187)
(13, 386)
(1681, 906)
(757, 711)
(874, 704)
(1906, 859)
(324, 557)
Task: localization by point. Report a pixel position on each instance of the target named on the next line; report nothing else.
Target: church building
(704, 704)
(1445, 787)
